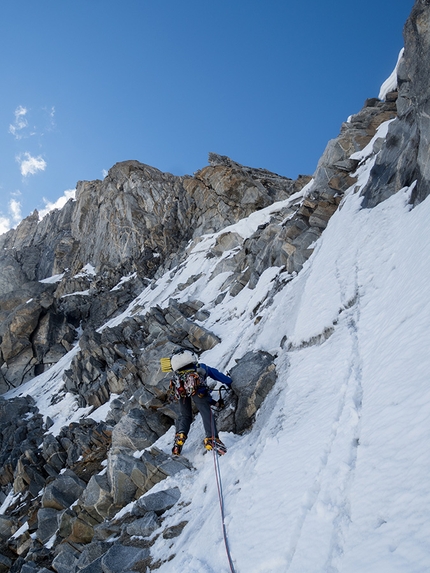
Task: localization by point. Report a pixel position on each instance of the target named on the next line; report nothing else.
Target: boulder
(199, 336)
(138, 429)
(8, 526)
(121, 558)
(11, 410)
(129, 476)
(121, 466)
(65, 522)
(82, 529)
(144, 526)
(63, 491)
(158, 466)
(21, 541)
(94, 567)
(20, 431)
(54, 454)
(174, 530)
(32, 567)
(66, 560)
(5, 563)
(28, 473)
(92, 552)
(86, 444)
(106, 530)
(225, 418)
(97, 496)
(253, 377)
(157, 502)
(47, 523)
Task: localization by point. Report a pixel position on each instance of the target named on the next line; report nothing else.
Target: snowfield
(334, 476)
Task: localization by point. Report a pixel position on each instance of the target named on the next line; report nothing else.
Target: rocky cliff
(103, 247)
(74, 291)
(405, 156)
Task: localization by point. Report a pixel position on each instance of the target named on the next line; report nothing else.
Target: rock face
(135, 219)
(133, 224)
(404, 159)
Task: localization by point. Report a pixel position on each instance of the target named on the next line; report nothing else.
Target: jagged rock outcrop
(334, 174)
(405, 158)
(136, 218)
(80, 499)
(287, 240)
(126, 357)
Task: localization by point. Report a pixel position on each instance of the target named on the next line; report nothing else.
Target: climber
(189, 381)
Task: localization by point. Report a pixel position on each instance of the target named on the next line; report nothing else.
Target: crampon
(215, 444)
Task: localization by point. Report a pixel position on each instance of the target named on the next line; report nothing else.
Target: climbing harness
(220, 496)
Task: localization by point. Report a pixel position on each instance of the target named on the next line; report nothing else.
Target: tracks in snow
(328, 499)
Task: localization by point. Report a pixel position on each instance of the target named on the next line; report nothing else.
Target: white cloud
(30, 165)
(42, 121)
(15, 210)
(20, 122)
(50, 115)
(58, 204)
(13, 217)
(4, 224)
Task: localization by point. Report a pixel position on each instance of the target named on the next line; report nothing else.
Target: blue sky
(88, 83)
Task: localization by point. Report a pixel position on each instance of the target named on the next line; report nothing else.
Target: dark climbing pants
(185, 418)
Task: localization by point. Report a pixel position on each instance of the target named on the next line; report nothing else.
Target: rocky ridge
(64, 493)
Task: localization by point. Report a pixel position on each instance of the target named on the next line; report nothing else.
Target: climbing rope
(220, 495)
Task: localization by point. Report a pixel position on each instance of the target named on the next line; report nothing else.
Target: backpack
(185, 384)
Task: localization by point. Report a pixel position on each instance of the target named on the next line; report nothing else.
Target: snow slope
(333, 477)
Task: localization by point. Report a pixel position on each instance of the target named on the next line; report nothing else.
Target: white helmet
(183, 358)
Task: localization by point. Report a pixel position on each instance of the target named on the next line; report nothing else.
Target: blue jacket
(214, 374)
(204, 372)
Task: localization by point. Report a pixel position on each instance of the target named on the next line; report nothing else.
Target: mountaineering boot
(180, 438)
(215, 444)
